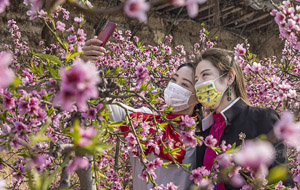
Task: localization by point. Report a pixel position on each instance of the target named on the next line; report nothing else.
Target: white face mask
(177, 97)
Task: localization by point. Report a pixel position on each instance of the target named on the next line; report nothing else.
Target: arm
(118, 113)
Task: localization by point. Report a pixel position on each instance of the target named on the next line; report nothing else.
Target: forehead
(204, 65)
(186, 72)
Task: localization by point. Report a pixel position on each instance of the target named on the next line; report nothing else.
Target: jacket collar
(229, 113)
(234, 110)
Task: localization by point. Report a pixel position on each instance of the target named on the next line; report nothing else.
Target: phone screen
(106, 32)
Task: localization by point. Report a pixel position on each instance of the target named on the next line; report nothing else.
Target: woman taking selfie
(180, 94)
(220, 87)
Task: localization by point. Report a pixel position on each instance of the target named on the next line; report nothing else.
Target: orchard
(55, 123)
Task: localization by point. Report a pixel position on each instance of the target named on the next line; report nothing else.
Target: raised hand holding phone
(94, 48)
(106, 32)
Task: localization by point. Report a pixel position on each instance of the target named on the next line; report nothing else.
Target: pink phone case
(106, 32)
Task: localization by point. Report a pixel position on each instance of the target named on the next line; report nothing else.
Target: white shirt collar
(209, 120)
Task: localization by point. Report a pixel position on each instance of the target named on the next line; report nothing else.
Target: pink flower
(210, 141)
(239, 50)
(23, 106)
(178, 3)
(255, 155)
(280, 17)
(290, 24)
(78, 20)
(141, 74)
(85, 135)
(6, 75)
(198, 174)
(91, 114)
(9, 102)
(36, 5)
(3, 4)
(157, 163)
(60, 26)
(188, 138)
(131, 141)
(279, 185)
(297, 179)
(71, 29)
(188, 121)
(77, 163)
(72, 38)
(192, 7)
(20, 127)
(256, 66)
(150, 166)
(168, 50)
(287, 130)
(77, 86)
(237, 180)
(224, 160)
(137, 9)
(2, 184)
(171, 186)
(143, 176)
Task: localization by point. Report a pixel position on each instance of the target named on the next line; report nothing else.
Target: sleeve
(117, 113)
(267, 120)
(281, 155)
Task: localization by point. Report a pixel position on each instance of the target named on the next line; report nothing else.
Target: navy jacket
(252, 121)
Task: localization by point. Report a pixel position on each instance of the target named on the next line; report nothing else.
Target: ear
(231, 76)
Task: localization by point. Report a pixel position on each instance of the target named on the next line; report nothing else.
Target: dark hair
(223, 60)
(198, 107)
(188, 64)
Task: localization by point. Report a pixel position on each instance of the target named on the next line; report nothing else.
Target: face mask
(177, 97)
(208, 95)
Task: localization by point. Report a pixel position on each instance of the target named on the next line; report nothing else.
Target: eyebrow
(204, 70)
(184, 79)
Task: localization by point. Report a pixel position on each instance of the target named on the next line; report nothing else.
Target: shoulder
(263, 113)
(264, 118)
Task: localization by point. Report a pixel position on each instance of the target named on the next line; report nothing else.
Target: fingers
(93, 48)
(93, 41)
(93, 53)
(89, 58)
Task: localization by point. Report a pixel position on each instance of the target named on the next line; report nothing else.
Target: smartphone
(106, 32)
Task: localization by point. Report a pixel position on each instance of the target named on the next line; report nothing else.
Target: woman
(180, 88)
(180, 94)
(220, 87)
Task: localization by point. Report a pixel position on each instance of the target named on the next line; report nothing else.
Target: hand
(92, 50)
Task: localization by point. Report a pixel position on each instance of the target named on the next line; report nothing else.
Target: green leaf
(187, 165)
(50, 58)
(3, 117)
(116, 124)
(276, 174)
(117, 70)
(40, 136)
(17, 82)
(102, 175)
(50, 111)
(76, 135)
(175, 151)
(54, 72)
(165, 164)
(71, 57)
(232, 148)
(162, 126)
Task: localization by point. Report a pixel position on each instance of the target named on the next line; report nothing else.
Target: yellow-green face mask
(208, 95)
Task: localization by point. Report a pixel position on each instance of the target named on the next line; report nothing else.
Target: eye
(173, 79)
(185, 85)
